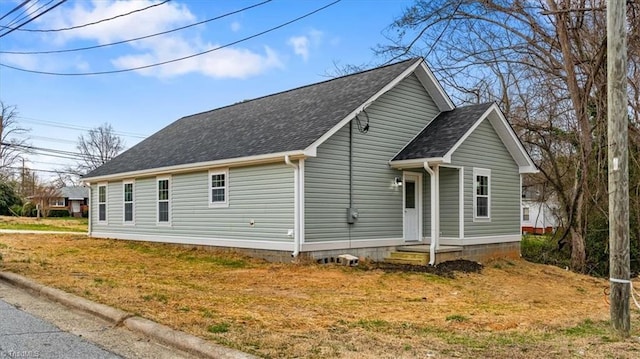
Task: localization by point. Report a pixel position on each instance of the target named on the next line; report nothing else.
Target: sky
(244, 65)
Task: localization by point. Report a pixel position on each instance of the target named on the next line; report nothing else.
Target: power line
(33, 18)
(178, 59)
(15, 9)
(73, 155)
(91, 23)
(41, 170)
(77, 127)
(134, 39)
(27, 11)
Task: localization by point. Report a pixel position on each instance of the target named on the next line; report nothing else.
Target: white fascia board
(506, 134)
(191, 167)
(433, 87)
(313, 147)
(417, 162)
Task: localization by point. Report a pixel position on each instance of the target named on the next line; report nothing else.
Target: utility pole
(618, 166)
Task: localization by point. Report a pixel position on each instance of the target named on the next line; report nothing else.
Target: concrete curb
(177, 339)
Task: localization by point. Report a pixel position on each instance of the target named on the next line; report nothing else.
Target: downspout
(89, 209)
(434, 233)
(296, 207)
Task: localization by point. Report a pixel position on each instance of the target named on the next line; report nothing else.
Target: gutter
(434, 206)
(296, 206)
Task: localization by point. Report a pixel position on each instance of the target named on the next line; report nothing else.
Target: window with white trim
(481, 194)
(525, 214)
(127, 191)
(56, 202)
(102, 203)
(219, 188)
(163, 200)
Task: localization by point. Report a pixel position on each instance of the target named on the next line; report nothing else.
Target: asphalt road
(34, 327)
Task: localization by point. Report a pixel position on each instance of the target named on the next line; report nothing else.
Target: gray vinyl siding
(449, 202)
(395, 118)
(484, 149)
(264, 194)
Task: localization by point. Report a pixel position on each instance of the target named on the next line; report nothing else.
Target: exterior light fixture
(398, 181)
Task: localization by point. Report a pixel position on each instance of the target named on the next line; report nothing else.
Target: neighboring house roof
(74, 192)
(293, 123)
(442, 136)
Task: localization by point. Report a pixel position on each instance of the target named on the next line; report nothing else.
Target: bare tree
(11, 147)
(97, 147)
(544, 62)
(42, 197)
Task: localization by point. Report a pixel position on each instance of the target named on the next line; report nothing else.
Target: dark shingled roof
(442, 133)
(282, 122)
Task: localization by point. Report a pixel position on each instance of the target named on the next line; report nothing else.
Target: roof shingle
(282, 122)
(442, 133)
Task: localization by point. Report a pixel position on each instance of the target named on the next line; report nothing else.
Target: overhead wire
(91, 23)
(177, 59)
(33, 18)
(15, 9)
(77, 127)
(26, 12)
(137, 38)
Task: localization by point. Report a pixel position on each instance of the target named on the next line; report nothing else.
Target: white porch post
(434, 179)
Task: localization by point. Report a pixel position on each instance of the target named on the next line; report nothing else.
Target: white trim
(434, 88)
(205, 241)
(225, 172)
(418, 204)
(481, 240)
(301, 207)
(354, 243)
(369, 101)
(106, 202)
(168, 179)
(133, 203)
(415, 163)
(89, 211)
(203, 166)
(506, 134)
(484, 172)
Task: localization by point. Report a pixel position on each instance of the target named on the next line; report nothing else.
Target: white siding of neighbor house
(484, 149)
(395, 118)
(264, 194)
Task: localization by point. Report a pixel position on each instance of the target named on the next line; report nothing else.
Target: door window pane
(409, 194)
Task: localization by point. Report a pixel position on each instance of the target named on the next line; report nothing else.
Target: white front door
(412, 205)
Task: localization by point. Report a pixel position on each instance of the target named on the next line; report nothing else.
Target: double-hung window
(164, 200)
(481, 194)
(102, 203)
(127, 189)
(56, 202)
(525, 214)
(219, 188)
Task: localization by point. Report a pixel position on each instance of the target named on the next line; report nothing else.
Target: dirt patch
(445, 269)
(512, 309)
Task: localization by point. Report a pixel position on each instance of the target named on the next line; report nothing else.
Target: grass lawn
(64, 224)
(512, 309)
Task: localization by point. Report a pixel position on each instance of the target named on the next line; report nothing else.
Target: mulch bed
(445, 269)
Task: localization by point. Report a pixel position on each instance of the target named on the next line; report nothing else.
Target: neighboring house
(73, 199)
(539, 216)
(360, 164)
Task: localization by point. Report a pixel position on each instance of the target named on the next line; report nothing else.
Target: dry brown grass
(511, 309)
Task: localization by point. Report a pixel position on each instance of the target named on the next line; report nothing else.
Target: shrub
(16, 210)
(59, 213)
(29, 209)
(544, 249)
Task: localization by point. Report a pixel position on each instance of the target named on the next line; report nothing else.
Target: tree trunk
(578, 252)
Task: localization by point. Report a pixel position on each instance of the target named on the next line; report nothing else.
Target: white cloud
(223, 63)
(235, 26)
(302, 45)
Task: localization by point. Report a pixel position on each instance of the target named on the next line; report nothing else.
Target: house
(364, 164)
(539, 214)
(73, 198)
